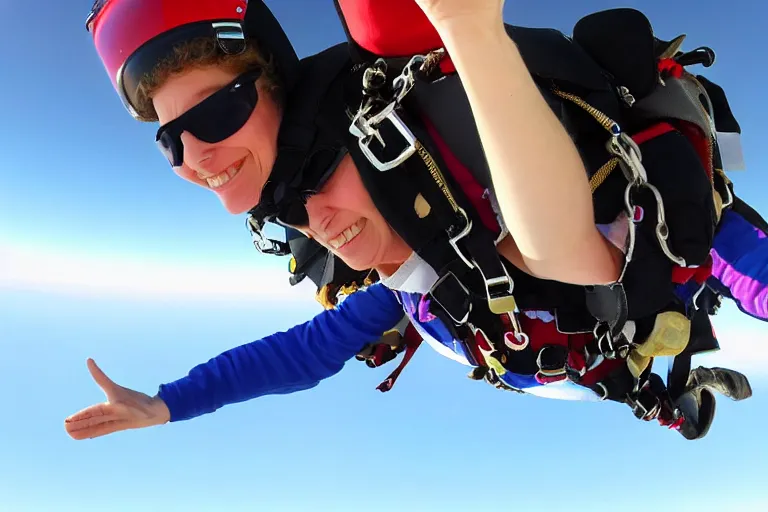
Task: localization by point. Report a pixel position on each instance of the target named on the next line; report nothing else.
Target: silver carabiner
(630, 161)
(631, 227)
(262, 244)
(662, 230)
(695, 298)
(405, 81)
(375, 76)
(630, 157)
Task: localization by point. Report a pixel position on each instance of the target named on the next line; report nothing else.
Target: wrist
(160, 410)
(473, 24)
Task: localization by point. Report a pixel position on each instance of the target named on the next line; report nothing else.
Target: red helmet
(131, 36)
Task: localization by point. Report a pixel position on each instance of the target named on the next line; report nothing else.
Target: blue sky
(105, 253)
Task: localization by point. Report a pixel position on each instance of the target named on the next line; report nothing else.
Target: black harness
(597, 83)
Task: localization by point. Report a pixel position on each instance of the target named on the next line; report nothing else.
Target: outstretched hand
(124, 409)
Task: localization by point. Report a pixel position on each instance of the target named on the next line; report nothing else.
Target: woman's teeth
(223, 178)
(347, 235)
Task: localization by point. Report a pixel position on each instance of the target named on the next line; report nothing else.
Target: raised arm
(538, 176)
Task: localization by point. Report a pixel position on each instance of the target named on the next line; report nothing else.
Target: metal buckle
(454, 240)
(638, 406)
(614, 351)
(458, 321)
(365, 129)
(662, 230)
(491, 362)
(263, 244)
(606, 336)
(500, 300)
(728, 200)
(630, 158)
(695, 298)
(604, 395)
(677, 420)
(404, 82)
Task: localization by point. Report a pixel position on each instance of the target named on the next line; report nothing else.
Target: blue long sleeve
(740, 264)
(285, 362)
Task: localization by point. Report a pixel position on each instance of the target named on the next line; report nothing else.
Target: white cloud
(743, 340)
(47, 269)
(743, 346)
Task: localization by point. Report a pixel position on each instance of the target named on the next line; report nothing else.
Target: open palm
(124, 409)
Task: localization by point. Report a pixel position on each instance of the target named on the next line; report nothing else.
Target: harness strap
(376, 125)
(608, 304)
(652, 402)
(465, 179)
(300, 139)
(299, 130)
(383, 351)
(412, 341)
(698, 275)
(414, 33)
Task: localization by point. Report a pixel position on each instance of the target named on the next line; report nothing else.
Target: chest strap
(389, 346)
(389, 140)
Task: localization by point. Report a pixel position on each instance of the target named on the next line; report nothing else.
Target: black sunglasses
(218, 117)
(286, 206)
(292, 209)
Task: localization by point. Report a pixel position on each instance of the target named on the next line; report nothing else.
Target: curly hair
(201, 53)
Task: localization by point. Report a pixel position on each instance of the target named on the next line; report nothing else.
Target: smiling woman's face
(236, 168)
(343, 218)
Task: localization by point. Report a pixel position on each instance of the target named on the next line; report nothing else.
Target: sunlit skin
(341, 204)
(252, 149)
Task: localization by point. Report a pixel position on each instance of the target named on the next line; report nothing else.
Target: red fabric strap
(392, 28)
(412, 340)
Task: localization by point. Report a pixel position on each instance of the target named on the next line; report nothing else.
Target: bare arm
(538, 175)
